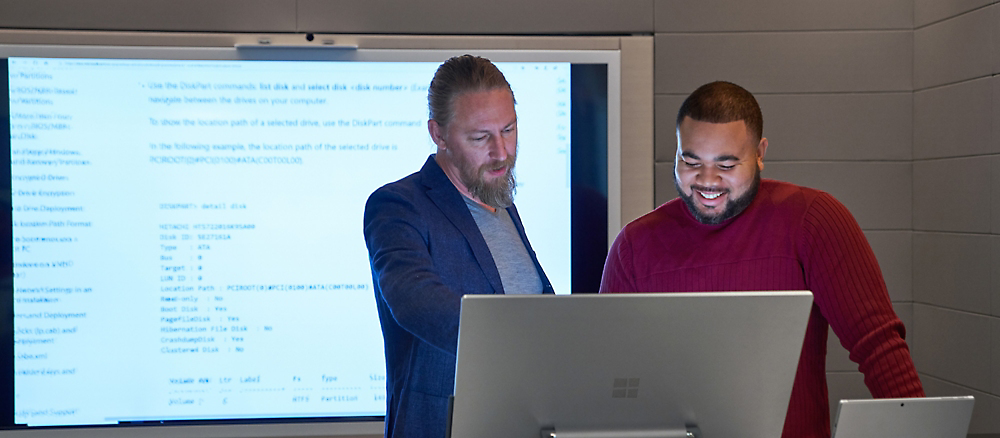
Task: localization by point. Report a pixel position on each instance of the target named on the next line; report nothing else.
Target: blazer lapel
(447, 198)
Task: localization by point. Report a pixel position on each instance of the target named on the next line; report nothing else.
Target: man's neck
(480, 203)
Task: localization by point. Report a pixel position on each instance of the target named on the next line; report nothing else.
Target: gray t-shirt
(517, 272)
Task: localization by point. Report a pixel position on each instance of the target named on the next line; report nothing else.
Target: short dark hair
(458, 75)
(723, 102)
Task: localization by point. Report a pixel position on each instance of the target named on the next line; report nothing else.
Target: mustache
(498, 164)
(708, 189)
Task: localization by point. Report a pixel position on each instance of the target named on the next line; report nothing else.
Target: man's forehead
(485, 109)
(708, 140)
(480, 122)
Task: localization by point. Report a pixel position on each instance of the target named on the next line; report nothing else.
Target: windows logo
(625, 388)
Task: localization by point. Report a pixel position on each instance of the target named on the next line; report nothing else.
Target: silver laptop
(931, 417)
(636, 365)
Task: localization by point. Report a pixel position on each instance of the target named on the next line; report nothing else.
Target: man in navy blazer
(448, 230)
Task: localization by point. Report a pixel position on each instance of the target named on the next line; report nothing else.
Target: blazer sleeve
(403, 270)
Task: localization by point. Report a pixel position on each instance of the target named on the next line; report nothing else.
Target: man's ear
(437, 134)
(761, 150)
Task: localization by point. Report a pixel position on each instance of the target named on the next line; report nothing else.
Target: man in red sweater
(732, 231)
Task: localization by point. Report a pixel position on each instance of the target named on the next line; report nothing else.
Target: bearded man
(445, 231)
(732, 231)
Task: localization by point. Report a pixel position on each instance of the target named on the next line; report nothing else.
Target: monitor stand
(687, 432)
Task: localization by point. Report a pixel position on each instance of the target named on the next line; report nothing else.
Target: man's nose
(498, 148)
(707, 175)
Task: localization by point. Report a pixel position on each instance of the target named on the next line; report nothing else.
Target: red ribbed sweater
(789, 238)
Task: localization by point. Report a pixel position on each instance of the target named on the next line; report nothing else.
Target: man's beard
(733, 206)
(498, 193)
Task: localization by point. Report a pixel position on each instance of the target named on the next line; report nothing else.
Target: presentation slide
(187, 235)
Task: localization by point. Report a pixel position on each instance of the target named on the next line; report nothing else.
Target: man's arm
(618, 269)
(847, 285)
(398, 248)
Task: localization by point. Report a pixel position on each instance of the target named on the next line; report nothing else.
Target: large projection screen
(186, 225)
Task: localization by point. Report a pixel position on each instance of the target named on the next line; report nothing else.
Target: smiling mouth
(709, 194)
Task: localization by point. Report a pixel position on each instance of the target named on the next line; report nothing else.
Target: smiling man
(732, 231)
(445, 231)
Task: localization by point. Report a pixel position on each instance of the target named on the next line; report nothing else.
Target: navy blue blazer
(426, 251)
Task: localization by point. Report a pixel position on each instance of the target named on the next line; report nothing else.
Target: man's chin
(706, 212)
(713, 216)
(488, 180)
(702, 213)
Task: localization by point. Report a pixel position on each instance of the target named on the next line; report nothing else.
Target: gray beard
(499, 194)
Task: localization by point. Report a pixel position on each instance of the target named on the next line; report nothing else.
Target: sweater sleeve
(618, 268)
(847, 285)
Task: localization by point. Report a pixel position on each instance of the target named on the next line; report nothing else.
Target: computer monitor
(184, 249)
(636, 365)
(926, 417)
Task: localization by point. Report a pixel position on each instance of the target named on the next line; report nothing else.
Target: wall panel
(993, 185)
(837, 357)
(994, 287)
(995, 29)
(953, 120)
(952, 195)
(878, 194)
(667, 106)
(952, 345)
(953, 50)
(995, 106)
(151, 15)
(664, 191)
(929, 11)
(518, 17)
(850, 127)
(763, 15)
(952, 271)
(845, 127)
(995, 355)
(636, 126)
(782, 62)
(845, 385)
